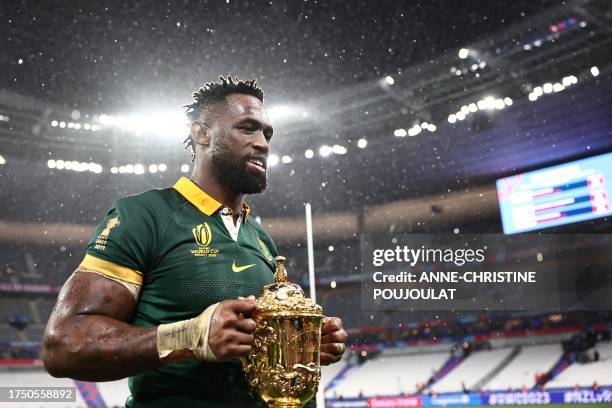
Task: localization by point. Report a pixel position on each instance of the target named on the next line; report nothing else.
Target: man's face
(240, 144)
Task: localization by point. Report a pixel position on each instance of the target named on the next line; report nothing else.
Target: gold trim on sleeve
(111, 269)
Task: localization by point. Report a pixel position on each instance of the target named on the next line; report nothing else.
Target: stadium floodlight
(54, 123)
(389, 80)
(153, 168)
(566, 81)
(162, 167)
(62, 124)
(557, 87)
(362, 143)
(272, 160)
(286, 159)
(472, 107)
(415, 130)
(463, 53)
(460, 116)
(330, 248)
(325, 150)
(67, 165)
(486, 103)
(594, 71)
(399, 132)
(337, 149)
(114, 170)
(184, 168)
(508, 101)
(452, 118)
(50, 163)
(2, 159)
(432, 127)
(59, 164)
(309, 154)
(122, 169)
(139, 169)
(499, 104)
(532, 97)
(538, 91)
(332, 284)
(129, 168)
(547, 87)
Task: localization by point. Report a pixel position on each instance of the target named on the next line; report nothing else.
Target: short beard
(231, 172)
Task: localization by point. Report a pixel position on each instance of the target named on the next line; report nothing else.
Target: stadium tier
(585, 374)
(522, 370)
(392, 372)
(471, 371)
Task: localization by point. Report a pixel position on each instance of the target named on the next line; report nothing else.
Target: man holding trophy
(166, 291)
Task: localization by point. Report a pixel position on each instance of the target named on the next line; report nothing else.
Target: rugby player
(165, 292)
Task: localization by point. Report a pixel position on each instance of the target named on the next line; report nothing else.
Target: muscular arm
(87, 337)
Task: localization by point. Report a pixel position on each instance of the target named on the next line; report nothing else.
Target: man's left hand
(333, 338)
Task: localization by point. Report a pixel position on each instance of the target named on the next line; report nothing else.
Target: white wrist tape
(189, 334)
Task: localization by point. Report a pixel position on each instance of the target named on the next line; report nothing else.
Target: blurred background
(391, 118)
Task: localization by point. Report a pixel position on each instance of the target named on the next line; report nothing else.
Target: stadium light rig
(74, 166)
(488, 103)
(548, 87)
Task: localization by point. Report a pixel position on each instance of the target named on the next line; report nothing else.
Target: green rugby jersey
(175, 244)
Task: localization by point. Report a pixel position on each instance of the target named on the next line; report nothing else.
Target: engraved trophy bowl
(283, 367)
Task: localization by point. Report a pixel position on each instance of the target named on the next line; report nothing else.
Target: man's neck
(204, 179)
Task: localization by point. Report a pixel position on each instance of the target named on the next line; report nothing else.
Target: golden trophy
(283, 367)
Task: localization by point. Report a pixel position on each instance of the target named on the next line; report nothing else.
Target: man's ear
(200, 133)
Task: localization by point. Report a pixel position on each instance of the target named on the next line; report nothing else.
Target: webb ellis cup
(283, 367)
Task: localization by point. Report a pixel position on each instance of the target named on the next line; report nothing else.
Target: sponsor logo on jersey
(236, 268)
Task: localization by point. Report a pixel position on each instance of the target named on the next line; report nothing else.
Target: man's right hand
(221, 332)
(231, 328)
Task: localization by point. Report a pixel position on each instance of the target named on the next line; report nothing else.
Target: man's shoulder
(257, 227)
(157, 201)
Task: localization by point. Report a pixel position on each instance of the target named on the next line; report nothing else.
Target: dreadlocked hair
(215, 92)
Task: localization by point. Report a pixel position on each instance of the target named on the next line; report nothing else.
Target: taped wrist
(191, 334)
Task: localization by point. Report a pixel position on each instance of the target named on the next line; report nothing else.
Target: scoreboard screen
(572, 192)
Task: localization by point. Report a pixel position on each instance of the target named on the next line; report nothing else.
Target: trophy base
(285, 403)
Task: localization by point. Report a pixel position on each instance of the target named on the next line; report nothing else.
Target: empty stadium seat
(520, 372)
(389, 374)
(586, 374)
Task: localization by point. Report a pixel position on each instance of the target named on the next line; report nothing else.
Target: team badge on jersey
(203, 237)
(264, 249)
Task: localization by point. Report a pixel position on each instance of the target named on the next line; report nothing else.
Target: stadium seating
(520, 372)
(588, 373)
(473, 369)
(390, 373)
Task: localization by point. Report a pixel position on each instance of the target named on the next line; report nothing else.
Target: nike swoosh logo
(240, 268)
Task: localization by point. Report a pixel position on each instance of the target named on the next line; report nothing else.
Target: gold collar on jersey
(203, 202)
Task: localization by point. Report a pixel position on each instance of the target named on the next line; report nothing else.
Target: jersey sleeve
(122, 244)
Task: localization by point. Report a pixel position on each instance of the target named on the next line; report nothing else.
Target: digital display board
(567, 193)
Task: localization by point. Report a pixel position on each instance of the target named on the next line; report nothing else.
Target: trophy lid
(285, 298)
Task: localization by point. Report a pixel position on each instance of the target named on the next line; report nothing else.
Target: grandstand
(586, 374)
(522, 370)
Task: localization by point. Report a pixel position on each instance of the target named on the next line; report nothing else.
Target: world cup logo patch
(202, 234)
